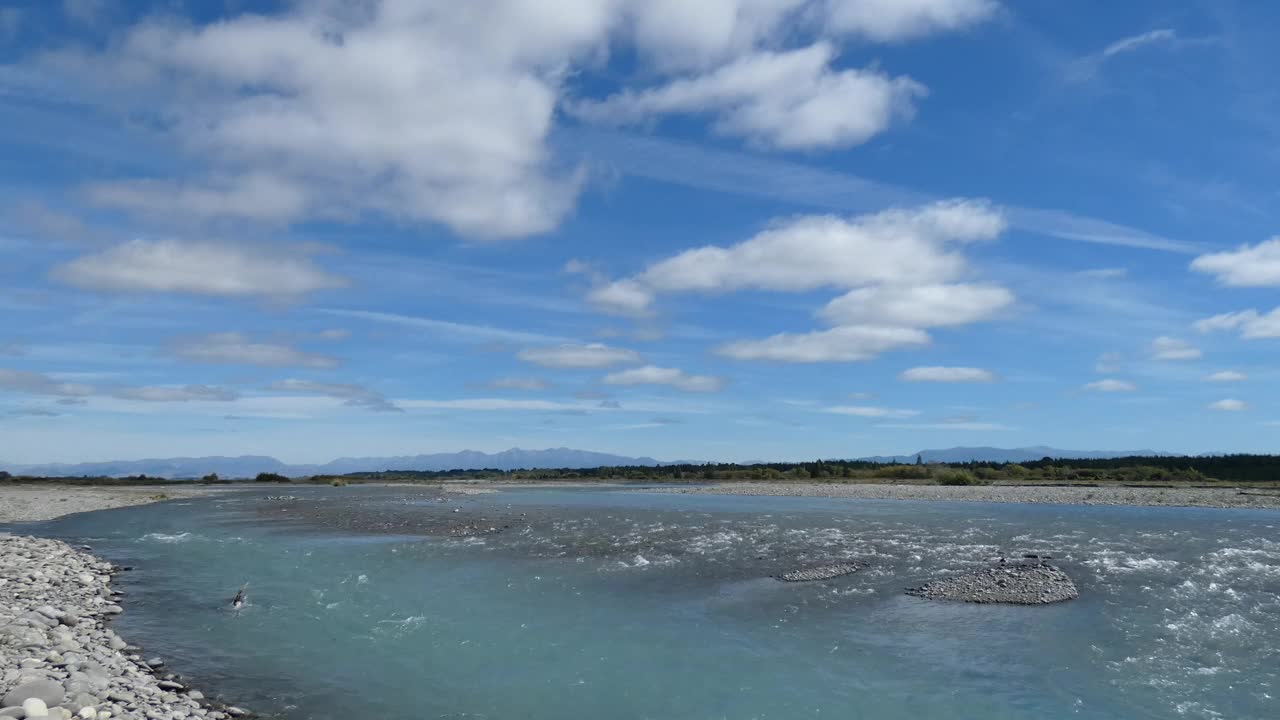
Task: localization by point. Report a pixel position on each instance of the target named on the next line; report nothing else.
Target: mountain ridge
(513, 459)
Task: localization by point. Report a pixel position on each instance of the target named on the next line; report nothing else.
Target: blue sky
(737, 229)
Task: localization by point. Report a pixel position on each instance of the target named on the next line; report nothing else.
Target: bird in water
(241, 597)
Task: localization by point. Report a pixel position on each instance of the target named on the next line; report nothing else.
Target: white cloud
(237, 349)
(1170, 348)
(593, 355)
(1129, 44)
(1251, 324)
(868, 411)
(1229, 405)
(919, 306)
(519, 383)
(254, 196)
(38, 384)
(948, 375)
(175, 393)
(624, 297)
(789, 100)
(441, 112)
(1111, 385)
(1246, 266)
(1226, 376)
(891, 247)
(352, 395)
(894, 20)
(202, 268)
(842, 344)
(653, 375)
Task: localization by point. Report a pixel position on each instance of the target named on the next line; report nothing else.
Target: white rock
(35, 707)
(88, 713)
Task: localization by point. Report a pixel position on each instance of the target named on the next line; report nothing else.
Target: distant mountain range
(250, 465)
(514, 459)
(1023, 454)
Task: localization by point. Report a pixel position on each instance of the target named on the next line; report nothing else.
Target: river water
(401, 602)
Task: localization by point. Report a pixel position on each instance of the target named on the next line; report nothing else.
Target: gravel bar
(1009, 584)
(1226, 497)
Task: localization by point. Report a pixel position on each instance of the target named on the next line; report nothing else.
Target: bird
(239, 600)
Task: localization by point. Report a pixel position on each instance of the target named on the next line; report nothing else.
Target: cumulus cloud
(201, 268)
(170, 393)
(352, 395)
(868, 411)
(1170, 348)
(893, 247)
(842, 344)
(1111, 385)
(788, 100)
(233, 348)
(441, 112)
(947, 375)
(40, 384)
(920, 306)
(1251, 324)
(1229, 405)
(653, 375)
(1227, 376)
(896, 20)
(519, 383)
(1246, 266)
(593, 355)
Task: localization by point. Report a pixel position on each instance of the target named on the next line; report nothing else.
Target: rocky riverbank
(1224, 497)
(58, 656)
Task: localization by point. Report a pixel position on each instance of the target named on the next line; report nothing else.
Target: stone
(47, 692)
(13, 712)
(195, 695)
(88, 713)
(826, 572)
(234, 711)
(34, 708)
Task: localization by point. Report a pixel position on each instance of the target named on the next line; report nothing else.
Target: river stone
(826, 572)
(46, 691)
(12, 712)
(1031, 584)
(34, 708)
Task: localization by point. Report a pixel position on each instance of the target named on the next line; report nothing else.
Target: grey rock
(825, 572)
(47, 690)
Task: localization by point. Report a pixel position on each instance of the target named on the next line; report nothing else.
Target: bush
(956, 477)
(1017, 471)
(209, 479)
(271, 477)
(338, 482)
(903, 472)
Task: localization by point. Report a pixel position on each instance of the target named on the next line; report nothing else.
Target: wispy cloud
(351, 394)
(868, 411)
(1135, 42)
(1229, 405)
(1111, 385)
(238, 349)
(742, 173)
(39, 384)
(461, 331)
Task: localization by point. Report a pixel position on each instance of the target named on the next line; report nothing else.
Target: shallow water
(620, 604)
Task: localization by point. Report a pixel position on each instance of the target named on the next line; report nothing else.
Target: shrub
(1016, 470)
(338, 482)
(903, 472)
(271, 477)
(956, 477)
